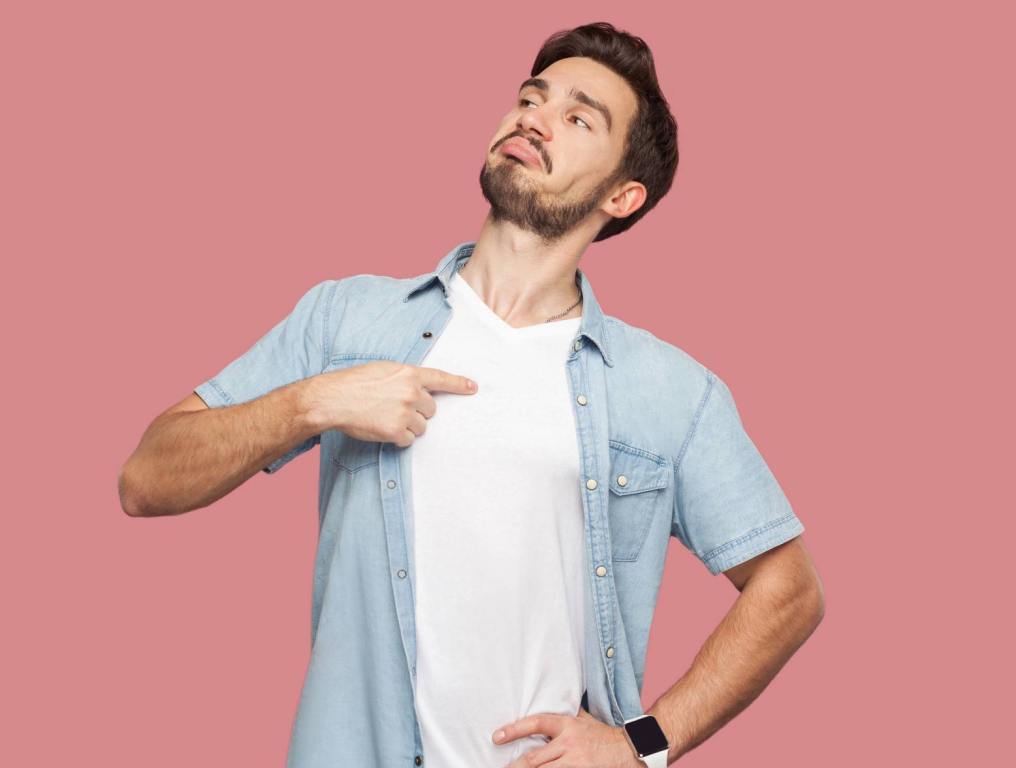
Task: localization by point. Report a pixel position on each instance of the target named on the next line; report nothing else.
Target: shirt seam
(326, 337)
(678, 522)
(214, 384)
(715, 551)
(710, 386)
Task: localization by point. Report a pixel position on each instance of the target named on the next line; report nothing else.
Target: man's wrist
(307, 408)
(635, 761)
(669, 730)
(648, 732)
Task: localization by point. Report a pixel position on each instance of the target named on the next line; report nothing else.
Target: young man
(502, 466)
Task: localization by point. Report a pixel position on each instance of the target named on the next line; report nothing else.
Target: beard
(514, 197)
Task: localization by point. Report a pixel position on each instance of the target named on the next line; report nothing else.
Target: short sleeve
(728, 506)
(294, 349)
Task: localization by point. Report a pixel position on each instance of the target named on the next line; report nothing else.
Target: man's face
(572, 120)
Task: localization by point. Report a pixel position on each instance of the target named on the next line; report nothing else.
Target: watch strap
(656, 760)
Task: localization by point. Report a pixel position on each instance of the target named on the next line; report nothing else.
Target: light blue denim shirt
(662, 453)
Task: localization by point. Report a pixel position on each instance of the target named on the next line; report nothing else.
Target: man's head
(600, 139)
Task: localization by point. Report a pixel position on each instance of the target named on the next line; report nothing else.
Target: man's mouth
(521, 150)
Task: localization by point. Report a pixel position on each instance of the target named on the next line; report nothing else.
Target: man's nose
(534, 121)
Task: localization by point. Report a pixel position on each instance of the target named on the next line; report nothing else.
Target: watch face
(646, 734)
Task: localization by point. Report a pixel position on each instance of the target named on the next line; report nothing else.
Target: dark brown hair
(650, 151)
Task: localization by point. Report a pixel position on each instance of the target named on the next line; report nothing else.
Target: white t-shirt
(498, 538)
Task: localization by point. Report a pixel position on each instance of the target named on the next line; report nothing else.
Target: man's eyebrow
(542, 85)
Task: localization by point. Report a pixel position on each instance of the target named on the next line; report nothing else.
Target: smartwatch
(648, 740)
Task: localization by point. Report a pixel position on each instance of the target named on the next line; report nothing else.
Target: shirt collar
(592, 326)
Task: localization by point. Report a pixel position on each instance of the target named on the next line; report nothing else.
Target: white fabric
(497, 526)
(656, 760)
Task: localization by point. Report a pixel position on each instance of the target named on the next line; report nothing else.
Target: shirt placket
(396, 496)
(587, 386)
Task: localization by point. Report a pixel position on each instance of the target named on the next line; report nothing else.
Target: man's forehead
(599, 83)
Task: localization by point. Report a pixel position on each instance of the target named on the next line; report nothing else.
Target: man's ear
(627, 199)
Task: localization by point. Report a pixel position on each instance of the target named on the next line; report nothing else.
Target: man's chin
(509, 189)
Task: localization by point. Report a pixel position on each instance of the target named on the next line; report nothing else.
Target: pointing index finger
(437, 380)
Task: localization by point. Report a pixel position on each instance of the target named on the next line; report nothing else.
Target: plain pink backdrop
(175, 175)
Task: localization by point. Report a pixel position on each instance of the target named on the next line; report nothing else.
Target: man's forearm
(188, 459)
(768, 622)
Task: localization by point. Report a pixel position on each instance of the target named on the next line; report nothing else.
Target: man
(494, 523)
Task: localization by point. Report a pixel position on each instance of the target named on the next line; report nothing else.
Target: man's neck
(522, 279)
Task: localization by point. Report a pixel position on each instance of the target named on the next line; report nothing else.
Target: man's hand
(576, 741)
(381, 401)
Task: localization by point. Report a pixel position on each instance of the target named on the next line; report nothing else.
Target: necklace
(554, 317)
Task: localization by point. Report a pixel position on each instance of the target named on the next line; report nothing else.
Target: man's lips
(523, 150)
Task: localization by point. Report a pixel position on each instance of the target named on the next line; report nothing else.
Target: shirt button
(402, 573)
(578, 343)
(427, 334)
(418, 760)
(610, 651)
(622, 480)
(582, 399)
(391, 483)
(591, 484)
(601, 571)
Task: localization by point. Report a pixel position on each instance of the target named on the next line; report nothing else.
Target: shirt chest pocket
(351, 454)
(638, 482)
(347, 452)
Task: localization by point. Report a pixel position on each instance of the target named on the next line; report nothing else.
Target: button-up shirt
(663, 453)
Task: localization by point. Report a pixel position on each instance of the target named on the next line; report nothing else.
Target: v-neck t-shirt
(497, 526)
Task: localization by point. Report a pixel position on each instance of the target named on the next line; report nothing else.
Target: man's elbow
(798, 592)
(802, 585)
(813, 601)
(130, 500)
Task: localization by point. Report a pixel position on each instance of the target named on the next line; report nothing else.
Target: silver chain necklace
(559, 314)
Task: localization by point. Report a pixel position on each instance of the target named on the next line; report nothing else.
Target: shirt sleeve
(294, 349)
(728, 506)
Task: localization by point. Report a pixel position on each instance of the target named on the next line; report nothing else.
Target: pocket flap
(633, 470)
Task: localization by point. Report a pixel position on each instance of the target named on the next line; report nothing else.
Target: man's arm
(251, 415)
(780, 604)
(191, 455)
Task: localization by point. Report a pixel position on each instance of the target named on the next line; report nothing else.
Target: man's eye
(523, 102)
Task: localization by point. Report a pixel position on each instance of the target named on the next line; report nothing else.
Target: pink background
(175, 175)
